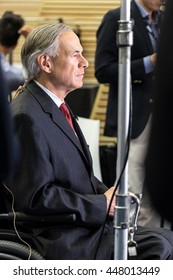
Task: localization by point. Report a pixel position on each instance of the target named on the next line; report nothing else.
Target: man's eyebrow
(78, 51)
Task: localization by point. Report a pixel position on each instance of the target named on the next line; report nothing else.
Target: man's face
(69, 65)
(151, 5)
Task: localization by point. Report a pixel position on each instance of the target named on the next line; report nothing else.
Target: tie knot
(65, 110)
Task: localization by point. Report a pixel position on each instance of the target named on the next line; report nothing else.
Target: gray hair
(43, 39)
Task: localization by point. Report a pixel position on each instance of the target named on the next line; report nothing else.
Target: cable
(14, 222)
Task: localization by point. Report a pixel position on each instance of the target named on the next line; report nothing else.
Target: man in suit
(147, 19)
(55, 173)
(159, 153)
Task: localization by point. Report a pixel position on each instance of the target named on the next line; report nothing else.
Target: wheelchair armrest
(30, 218)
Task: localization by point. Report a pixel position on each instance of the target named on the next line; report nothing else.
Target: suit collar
(55, 98)
(49, 107)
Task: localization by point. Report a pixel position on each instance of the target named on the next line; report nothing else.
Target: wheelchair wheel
(10, 250)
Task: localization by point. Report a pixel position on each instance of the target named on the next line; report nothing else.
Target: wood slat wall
(98, 112)
(25, 8)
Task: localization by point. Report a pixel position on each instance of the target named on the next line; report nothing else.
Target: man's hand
(25, 30)
(153, 58)
(108, 195)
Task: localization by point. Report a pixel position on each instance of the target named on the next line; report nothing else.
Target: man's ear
(44, 62)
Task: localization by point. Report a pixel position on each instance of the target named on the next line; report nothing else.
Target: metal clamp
(132, 245)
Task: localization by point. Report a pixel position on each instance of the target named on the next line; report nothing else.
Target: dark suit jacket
(160, 148)
(8, 145)
(56, 176)
(106, 70)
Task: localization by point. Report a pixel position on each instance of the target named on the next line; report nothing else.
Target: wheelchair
(16, 244)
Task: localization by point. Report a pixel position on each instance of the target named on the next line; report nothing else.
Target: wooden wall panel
(98, 112)
(25, 8)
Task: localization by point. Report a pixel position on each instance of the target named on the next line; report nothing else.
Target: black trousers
(154, 244)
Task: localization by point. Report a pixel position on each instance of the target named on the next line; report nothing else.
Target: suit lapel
(51, 108)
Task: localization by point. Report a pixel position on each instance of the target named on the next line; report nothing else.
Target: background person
(147, 20)
(158, 160)
(11, 27)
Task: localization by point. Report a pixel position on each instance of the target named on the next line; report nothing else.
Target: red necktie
(67, 114)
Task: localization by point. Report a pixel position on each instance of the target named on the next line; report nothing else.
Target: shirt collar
(56, 99)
